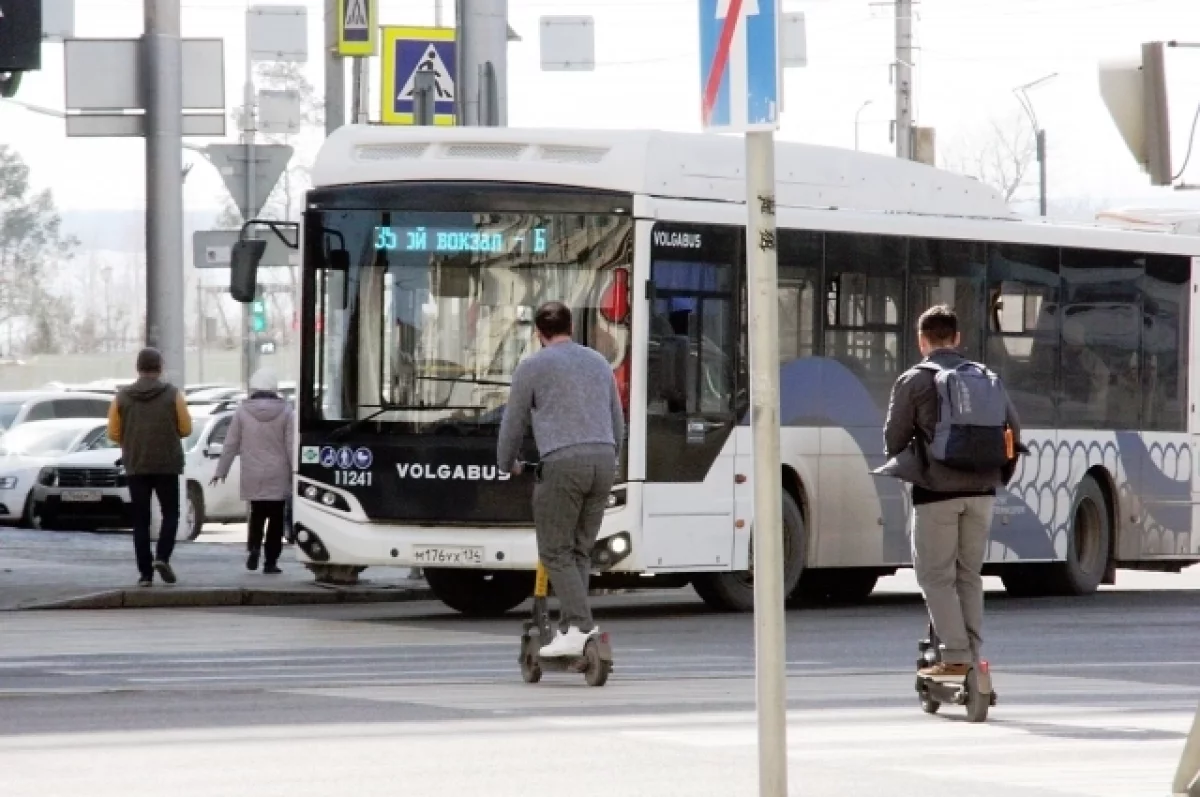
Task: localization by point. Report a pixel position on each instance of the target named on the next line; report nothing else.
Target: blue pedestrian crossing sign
(358, 28)
(407, 50)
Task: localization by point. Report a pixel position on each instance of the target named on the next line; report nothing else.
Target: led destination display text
(447, 241)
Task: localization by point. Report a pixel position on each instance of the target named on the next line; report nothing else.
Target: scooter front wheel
(978, 702)
(598, 669)
(929, 705)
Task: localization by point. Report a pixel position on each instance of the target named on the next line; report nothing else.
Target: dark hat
(149, 361)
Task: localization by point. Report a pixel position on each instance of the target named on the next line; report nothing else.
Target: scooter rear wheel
(929, 705)
(598, 669)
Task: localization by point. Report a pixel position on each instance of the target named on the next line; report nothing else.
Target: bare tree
(31, 245)
(1001, 154)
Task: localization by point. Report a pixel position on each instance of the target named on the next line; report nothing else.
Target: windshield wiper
(466, 380)
(358, 423)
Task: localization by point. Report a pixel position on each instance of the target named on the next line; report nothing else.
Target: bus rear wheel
(1088, 549)
(734, 592)
(480, 593)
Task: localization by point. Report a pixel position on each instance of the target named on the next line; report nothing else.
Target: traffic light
(258, 315)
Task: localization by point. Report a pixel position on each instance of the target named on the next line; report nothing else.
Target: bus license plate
(447, 555)
(81, 496)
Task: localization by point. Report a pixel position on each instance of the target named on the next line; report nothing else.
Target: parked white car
(18, 407)
(89, 490)
(219, 503)
(25, 450)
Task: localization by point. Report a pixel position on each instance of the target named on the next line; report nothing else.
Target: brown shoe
(945, 670)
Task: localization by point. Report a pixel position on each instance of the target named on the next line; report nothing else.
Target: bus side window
(1165, 312)
(1101, 342)
(1022, 325)
(864, 296)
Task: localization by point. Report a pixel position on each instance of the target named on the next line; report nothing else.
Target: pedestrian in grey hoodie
(262, 434)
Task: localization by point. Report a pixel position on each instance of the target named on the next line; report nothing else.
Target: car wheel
(194, 519)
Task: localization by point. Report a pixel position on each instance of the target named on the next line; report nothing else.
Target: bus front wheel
(480, 593)
(734, 592)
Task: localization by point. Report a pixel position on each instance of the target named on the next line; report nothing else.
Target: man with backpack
(953, 433)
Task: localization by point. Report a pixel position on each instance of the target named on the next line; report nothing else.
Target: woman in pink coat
(262, 433)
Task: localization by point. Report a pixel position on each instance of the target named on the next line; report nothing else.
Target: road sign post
(740, 77)
(407, 52)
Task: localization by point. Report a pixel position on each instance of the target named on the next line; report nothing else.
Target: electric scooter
(974, 691)
(596, 662)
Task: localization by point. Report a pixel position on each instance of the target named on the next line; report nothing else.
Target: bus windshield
(420, 318)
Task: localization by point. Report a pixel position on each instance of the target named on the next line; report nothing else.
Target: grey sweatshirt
(569, 392)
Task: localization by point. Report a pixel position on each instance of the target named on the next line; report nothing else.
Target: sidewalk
(67, 570)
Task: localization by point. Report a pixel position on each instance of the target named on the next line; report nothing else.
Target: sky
(970, 56)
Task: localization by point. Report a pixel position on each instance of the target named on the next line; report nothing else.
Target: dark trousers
(270, 515)
(142, 490)
(568, 508)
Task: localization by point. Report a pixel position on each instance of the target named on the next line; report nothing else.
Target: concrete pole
(903, 66)
(162, 67)
(335, 73)
(769, 632)
(482, 40)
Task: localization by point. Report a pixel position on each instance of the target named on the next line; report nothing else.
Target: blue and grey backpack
(972, 431)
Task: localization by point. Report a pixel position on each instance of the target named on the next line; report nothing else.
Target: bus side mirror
(243, 269)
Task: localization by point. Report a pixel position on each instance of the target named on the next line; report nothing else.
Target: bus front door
(688, 496)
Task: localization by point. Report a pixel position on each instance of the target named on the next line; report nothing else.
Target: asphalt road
(1096, 696)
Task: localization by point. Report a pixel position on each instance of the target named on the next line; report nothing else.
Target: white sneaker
(571, 643)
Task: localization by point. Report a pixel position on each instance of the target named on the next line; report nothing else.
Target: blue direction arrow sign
(739, 64)
(407, 50)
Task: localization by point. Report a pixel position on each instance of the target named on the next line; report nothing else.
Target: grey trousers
(949, 542)
(568, 507)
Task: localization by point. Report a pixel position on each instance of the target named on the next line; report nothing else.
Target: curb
(169, 597)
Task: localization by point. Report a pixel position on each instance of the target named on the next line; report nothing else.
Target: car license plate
(447, 555)
(81, 496)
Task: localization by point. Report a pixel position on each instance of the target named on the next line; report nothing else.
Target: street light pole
(856, 115)
(1039, 135)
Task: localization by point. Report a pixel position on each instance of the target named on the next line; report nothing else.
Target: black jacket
(911, 420)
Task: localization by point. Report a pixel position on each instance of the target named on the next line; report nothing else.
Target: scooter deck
(531, 644)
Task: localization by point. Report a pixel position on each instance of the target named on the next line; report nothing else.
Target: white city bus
(426, 251)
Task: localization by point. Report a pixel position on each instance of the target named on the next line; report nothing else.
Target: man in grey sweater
(569, 393)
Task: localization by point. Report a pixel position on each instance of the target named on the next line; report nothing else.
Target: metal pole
(248, 130)
(423, 98)
(437, 13)
(482, 42)
(769, 634)
(904, 60)
(162, 67)
(1041, 157)
(199, 330)
(335, 72)
(361, 92)
(857, 114)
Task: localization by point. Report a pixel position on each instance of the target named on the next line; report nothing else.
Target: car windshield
(199, 424)
(33, 439)
(8, 413)
(434, 310)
